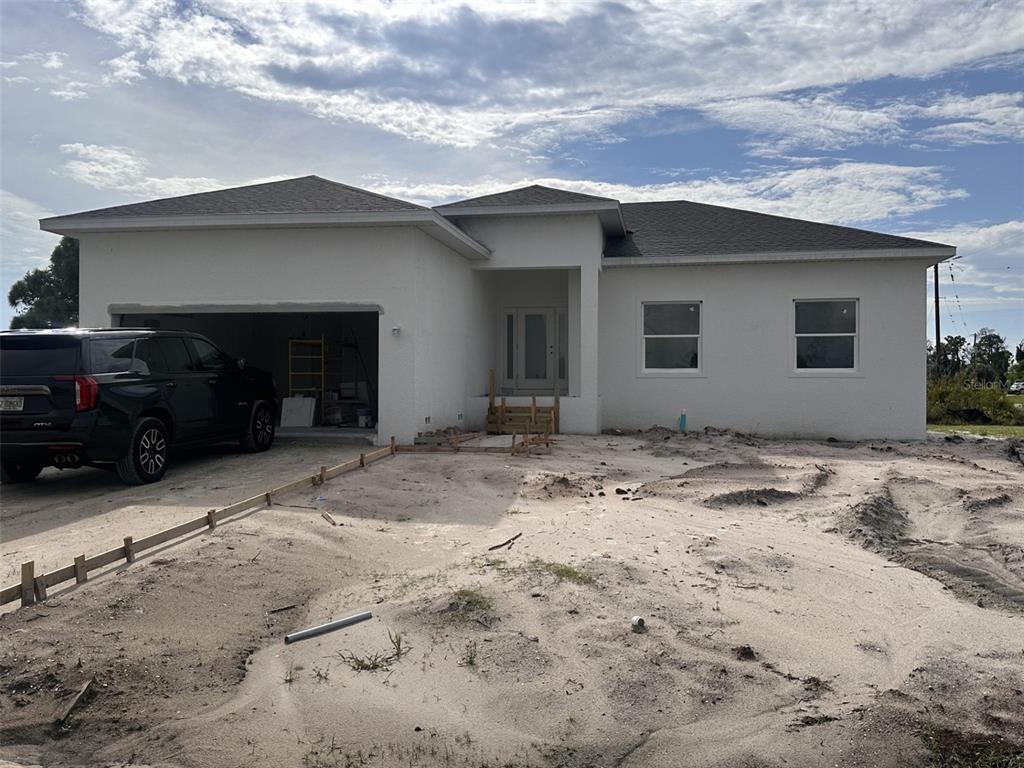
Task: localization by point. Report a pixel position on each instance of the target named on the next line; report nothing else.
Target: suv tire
(20, 472)
(259, 435)
(148, 451)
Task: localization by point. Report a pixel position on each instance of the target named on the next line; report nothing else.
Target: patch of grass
(987, 430)
(950, 749)
(565, 572)
(469, 656)
(371, 662)
(469, 601)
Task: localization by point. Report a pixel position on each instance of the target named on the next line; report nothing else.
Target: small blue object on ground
(682, 422)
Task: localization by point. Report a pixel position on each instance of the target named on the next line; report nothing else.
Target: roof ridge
(366, 191)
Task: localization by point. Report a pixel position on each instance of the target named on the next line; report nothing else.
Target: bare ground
(806, 604)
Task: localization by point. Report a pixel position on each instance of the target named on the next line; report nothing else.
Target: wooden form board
(33, 587)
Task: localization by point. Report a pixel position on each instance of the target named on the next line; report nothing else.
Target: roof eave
(609, 213)
(932, 255)
(426, 219)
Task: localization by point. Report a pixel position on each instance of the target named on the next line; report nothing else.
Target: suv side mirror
(240, 362)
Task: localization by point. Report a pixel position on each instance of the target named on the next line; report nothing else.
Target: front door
(530, 341)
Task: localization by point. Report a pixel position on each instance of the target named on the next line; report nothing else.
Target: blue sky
(900, 117)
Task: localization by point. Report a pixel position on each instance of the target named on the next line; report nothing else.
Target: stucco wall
(357, 266)
(452, 342)
(748, 382)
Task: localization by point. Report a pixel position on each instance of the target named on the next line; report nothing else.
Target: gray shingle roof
(532, 195)
(682, 228)
(307, 194)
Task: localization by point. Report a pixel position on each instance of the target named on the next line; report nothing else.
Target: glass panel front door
(536, 349)
(530, 350)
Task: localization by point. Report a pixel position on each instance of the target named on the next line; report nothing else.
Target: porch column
(588, 367)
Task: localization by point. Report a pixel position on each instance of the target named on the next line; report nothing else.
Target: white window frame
(831, 373)
(642, 370)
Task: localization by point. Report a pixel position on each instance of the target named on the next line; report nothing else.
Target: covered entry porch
(542, 351)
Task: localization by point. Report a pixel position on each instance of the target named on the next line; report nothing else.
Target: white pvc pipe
(330, 626)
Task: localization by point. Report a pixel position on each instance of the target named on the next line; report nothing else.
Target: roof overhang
(427, 220)
(609, 213)
(928, 255)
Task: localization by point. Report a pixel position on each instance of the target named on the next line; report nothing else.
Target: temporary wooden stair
(536, 419)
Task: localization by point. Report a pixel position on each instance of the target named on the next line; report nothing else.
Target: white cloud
(70, 90)
(824, 121)
(45, 59)
(121, 169)
(847, 193)
(123, 69)
(989, 273)
(988, 118)
(23, 245)
(531, 72)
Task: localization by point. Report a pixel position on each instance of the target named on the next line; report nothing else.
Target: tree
(990, 358)
(48, 298)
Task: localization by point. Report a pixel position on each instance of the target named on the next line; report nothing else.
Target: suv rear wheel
(260, 434)
(146, 460)
(20, 472)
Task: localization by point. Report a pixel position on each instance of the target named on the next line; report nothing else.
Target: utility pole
(938, 337)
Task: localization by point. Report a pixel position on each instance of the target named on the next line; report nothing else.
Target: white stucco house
(636, 312)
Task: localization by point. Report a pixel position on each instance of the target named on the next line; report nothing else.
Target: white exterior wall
(452, 343)
(420, 374)
(748, 381)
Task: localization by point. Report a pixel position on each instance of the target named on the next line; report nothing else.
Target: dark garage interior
(331, 356)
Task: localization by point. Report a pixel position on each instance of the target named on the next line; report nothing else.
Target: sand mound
(760, 496)
(549, 485)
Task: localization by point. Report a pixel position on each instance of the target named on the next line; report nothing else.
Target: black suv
(121, 398)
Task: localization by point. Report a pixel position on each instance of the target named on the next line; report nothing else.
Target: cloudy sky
(904, 117)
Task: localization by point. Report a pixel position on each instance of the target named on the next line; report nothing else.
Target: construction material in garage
(334, 372)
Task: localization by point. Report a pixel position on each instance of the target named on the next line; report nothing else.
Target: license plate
(12, 403)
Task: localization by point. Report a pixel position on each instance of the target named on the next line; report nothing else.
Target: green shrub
(955, 401)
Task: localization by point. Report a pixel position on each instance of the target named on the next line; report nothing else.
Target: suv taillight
(87, 391)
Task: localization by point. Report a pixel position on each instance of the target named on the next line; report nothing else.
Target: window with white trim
(671, 335)
(826, 334)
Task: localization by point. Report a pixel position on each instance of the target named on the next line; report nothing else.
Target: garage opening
(329, 359)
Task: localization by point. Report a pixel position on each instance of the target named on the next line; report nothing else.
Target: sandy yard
(806, 603)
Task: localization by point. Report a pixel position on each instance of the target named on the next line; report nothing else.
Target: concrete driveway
(85, 511)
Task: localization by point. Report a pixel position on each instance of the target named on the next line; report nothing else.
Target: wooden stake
(533, 411)
(211, 519)
(392, 445)
(66, 711)
(490, 392)
(129, 549)
(39, 585)
(362, 459)
(323, 475)
(267, 498)
(28, 577)
(81, 575)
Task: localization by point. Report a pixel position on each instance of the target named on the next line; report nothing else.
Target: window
(176, 354)
(826, 334)
(111, 355)
(148, 357)
(210, 358)
(671, 336)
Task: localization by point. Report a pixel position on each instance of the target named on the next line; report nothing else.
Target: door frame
(517, 383)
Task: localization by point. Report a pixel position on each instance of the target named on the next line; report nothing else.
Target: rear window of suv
(111, 355)
(39, 355)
